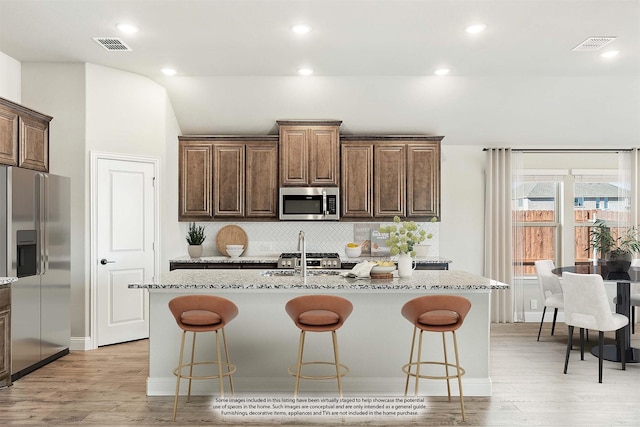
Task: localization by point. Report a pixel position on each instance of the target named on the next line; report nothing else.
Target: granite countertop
(7, 280)
(255, 259)
(225, 259)
(253, 279)
(418, 260)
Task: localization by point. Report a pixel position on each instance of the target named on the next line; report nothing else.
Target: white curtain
(633, 164)
(634, 182)
(498, 256)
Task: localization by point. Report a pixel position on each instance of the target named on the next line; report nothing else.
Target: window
(537, 222)
(603, 198)
(547, 228)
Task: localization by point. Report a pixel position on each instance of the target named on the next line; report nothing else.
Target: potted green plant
(616, 250)
(195, 238)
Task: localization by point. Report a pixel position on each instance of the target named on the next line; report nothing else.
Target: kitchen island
(374, 341)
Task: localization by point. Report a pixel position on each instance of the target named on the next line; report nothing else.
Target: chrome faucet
(302, 248)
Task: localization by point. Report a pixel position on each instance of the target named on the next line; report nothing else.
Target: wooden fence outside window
(536, 242)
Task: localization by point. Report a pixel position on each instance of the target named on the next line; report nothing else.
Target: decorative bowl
(235, 247)
(234, 252)
(383, 269)
(352, 252)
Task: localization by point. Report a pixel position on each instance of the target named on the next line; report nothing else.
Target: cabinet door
(8, 137)
(324, 165)
(294, 156)
(262, 180)
(228, 180)
(5, 336)
(195, 181)
(390, 180)
(34, 144)
(357, 180)
(423, 180)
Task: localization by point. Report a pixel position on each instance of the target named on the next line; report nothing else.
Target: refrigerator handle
(45, 223)
(41, 206)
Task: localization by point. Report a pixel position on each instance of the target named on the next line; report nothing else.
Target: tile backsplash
(273, 238)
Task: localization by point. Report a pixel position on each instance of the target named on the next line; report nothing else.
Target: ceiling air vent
(593, 43)
(112, 44)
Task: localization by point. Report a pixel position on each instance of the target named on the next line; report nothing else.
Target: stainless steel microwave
(309, 203)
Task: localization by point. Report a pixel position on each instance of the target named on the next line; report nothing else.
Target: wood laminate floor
(106, 387)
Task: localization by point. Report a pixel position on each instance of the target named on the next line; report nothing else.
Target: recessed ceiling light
(301, 28)
(441, 71)
(168, 71)
(610, 53)
(305, 71)
(127, 28)
(475, 28)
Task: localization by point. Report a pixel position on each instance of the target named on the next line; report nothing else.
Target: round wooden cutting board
(231, 235)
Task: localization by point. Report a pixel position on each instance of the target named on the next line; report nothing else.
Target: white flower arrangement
(403, 235)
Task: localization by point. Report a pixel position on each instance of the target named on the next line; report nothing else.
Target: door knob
(104, 261)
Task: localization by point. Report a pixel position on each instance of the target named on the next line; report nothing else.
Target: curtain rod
(565, 150)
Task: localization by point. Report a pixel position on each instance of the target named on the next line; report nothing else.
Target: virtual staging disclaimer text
(320, 406)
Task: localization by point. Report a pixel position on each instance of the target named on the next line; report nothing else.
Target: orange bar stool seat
(202, 313)
(436, 313)
(318, 313)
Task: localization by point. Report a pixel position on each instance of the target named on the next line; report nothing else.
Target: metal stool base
(458, 369)
(230, 368)
(293, 372)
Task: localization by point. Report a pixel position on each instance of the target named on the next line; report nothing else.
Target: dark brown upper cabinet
(24, 137)
(357, 179)
(228, 177)
(384, 176)
(195, 180)
(309, 153)
(380, 176)
(423, 179)
(262, 179)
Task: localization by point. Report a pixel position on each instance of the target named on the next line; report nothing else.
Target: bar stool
(202, 313)
(318, 313)
(436, 313)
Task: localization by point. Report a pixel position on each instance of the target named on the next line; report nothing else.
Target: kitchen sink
(286, 273)
(324, 272)
(291, 273)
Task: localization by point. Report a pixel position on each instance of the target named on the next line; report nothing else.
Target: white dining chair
(551, 291)
(586, 306)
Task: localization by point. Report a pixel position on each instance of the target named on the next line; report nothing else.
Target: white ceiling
(205, 39)
(349, 37)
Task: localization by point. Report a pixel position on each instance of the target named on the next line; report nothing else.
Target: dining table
(623, 280)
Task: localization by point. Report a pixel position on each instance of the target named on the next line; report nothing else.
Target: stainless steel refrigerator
(35, 237)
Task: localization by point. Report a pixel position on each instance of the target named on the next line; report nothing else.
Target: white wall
(10, 78)
(527, 110)
(58, 90)
(107, 110)
(171, 235)
(462, 194)
(125, 112)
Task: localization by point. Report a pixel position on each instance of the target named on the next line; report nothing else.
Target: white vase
(195, 251)
(406, 265)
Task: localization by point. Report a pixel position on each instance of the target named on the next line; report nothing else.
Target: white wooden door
(125, 224)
